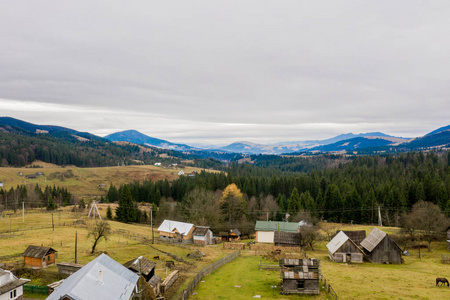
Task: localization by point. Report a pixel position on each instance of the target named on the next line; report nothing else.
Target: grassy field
(86, 181)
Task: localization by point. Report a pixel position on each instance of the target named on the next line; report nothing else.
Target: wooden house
(357, 236)
(39, 256)
(265, 230)
(300, 276)
(292, 239)
(380, 248)
(176, 231)
(203, 235)
(11, 287)
(342, 249)
(145, 266)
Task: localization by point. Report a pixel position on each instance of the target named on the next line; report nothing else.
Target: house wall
(265, 237)
(347, 248)
(19, 294)
(310, 286)
(33, 262)
(386, 252)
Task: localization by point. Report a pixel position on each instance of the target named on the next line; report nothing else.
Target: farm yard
(239, 279)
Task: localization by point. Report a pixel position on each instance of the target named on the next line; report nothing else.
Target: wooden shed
(39, 256)
(146, 267)
(380, 248)
(292, 239)
(300, 276)
(342, 249)
(203, 235)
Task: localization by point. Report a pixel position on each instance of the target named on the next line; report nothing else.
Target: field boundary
(328, 287)
(207, 270)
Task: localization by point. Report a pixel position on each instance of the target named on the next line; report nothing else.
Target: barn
(300, 276)
(380, 248)
(203, 235)
(265, 230)
(342, 249)
(39, 256)
(357, 236)
(176, 231)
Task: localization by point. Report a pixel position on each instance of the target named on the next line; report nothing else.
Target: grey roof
(38, 251)
(146, 265)
(339, 239)
(201, 230)
(118, 282)
(11, 283)
(236, 232)
(373, 239)
(154, 280)
(171, 226)
(276, 226)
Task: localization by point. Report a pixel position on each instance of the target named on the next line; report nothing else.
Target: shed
(155, 283)
(300, 276)
(342, 249)
(265, 230)
(357, 236)
(68, 268)
(380, 248)
(147, 267)
(176, 231)
(39, 256)
(282, 238)
(102, 278)
(30, 176)
(203, 235)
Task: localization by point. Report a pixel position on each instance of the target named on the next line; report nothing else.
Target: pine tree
(109, 213)
(125, 212)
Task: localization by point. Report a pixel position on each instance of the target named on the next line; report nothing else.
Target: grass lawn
(243, 272)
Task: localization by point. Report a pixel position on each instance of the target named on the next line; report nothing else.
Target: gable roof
(146, 265)
(339, 239)
(201, 230)
(274, 226)
(118, 282)
(38, 251)
(235, 231)
(11, 282)
(357, 236)
(373, 239)
(154, 281)
(170, 226)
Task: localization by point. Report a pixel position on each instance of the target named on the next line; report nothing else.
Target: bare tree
(100, 229)
(310, 235)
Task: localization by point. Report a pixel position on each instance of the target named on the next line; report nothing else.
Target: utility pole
(23, 212)
(76, 246)
(151, 222)
(380, 222)
(53, 224)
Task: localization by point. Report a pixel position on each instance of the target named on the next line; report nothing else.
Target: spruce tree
(125, 212)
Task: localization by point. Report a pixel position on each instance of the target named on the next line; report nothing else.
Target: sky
(217, 72)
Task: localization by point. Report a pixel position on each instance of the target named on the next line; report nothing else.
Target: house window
(13, 294)
(300, 284)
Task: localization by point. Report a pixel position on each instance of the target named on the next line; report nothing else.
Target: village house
(342, 249)
(203, 235)
(300, 276)
(181, 173)
(101, 279)
(176, 231)
(380, 248)
(11, 287)
(39, 256)
(265, 230)
(144, 266)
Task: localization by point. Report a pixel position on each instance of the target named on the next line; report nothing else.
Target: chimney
(100, 277)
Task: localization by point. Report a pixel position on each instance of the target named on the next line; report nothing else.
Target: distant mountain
(445, 128)
(436, 138)
(354, 143)
(134, 136)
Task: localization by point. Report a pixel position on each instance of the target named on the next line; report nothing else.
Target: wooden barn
(357, 236)
(203, 235)
(380, 248)
(342, 249)
(146, 267)
(176, 231)
(39, 256)
(292, 239)
(300, 276)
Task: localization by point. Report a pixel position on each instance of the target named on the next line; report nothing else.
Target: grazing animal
(156, 257)
(442, 280)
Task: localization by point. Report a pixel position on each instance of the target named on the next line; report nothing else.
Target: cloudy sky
(223, 71)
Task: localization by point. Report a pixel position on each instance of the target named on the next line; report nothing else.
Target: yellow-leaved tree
(232, 205)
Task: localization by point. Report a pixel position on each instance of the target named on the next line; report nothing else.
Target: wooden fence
(328, 287)
(207, 270)
(268, 267)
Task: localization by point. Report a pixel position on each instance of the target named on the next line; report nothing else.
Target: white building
(11, 287)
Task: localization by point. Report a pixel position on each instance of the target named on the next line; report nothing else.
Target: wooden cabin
(342, 249)
(39, 256)
(300, 276)
(145, 267)
(176, 231)
(380, 248)
(203, 235)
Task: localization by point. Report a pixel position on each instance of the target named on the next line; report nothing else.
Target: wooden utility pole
(76, 246)
(23, 212)
(53, 224)
(151, 222)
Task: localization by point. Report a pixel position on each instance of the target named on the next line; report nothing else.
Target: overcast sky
(223, 71)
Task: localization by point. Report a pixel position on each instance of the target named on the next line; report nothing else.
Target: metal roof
(274, 225)
(146, 265)
(38, 251)
(171, 226)
(101, 279)
(373, 239)
(336, 243)
(201, 230)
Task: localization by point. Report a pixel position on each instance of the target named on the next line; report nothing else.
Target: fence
(268, 267)
(39, 289)
(328, 287)
(207, 270)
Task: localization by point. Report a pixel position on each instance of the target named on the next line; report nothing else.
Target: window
(13, 294)
(300, 284)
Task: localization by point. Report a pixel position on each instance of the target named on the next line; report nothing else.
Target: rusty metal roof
(38, 251)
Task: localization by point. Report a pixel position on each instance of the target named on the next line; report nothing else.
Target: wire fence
(207, 270)
(328, 288)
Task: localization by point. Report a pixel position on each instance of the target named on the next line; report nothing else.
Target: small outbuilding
(342, 249)
(203, 235)
(265, 230)
(39, 256)
(300, 276)
(155, 283)
(145, 266)
(380, 248)
(68, 268)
